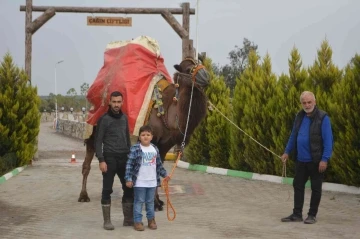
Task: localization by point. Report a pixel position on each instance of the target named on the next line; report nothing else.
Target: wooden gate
(49, 11)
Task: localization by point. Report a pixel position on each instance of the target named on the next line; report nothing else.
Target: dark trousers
(115, 165)
(302, 172)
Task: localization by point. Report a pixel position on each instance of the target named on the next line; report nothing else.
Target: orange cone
(73, 159)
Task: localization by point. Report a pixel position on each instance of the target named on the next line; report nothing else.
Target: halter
(194, 70)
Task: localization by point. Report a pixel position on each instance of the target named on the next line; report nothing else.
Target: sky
(276, 26)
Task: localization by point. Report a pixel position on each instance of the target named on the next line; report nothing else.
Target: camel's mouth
(202, 78)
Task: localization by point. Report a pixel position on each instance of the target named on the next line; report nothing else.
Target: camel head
(190, 69)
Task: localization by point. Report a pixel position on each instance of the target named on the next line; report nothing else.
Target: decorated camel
(164, 104)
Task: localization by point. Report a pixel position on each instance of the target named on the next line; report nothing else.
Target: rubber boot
(128, 211)
(106, 214)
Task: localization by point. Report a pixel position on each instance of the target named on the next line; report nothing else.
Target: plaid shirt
(134, 162)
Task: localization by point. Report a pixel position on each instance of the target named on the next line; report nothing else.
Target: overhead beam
(174, 24)
(41, 20)
(69, 9)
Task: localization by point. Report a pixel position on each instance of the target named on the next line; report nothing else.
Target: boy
(143, 171)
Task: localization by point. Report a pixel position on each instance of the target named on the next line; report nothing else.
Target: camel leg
(158, 204)
(90, 151)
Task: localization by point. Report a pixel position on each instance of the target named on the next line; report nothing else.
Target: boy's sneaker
(292, 218)
(138, 226)
(310, 220)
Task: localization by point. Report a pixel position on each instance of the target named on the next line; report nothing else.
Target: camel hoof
(84, 198)
(159, 208)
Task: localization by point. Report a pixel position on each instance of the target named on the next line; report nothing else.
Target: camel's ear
(178, 68)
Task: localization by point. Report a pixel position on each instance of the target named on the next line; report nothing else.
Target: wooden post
(187, 48)
(186, 16)
(186, 42)
(41, 20)
(175, 24)
(28, 39)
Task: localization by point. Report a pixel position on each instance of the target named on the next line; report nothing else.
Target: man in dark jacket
(311, 140)
(112, 144)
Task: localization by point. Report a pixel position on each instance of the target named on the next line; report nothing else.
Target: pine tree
(258, 117)
(285, 106)
(242, 96)
(345, 162)
(19, 112)
(217, 126)
(323, 75)
(197, 150)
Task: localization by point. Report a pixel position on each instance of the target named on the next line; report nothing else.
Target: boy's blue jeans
(141, 196)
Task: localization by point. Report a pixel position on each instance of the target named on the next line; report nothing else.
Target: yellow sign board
(109, 21)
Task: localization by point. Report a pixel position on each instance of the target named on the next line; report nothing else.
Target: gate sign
(109, 21)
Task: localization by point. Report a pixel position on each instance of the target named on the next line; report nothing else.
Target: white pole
(56, 118)
(197, 23)
(56, 106)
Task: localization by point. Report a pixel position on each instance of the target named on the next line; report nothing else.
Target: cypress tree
(285, 106)
(345, 163)
(323, 75)
(258, 116)
(19, 113)
(242, 96)
(197, 151)
(217, 127)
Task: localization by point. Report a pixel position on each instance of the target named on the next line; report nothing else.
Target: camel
(169, 127)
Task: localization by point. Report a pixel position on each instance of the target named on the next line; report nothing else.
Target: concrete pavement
(41, 202)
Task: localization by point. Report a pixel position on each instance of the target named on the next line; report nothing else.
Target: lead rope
(165, 183)
(165, 187)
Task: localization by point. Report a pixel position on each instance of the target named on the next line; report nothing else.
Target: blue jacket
(134, 162)
(311, 138)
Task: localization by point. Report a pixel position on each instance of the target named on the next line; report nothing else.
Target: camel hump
(131, 67)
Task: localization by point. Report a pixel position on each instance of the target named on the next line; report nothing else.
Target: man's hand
(284, 157)
(103, 167)
(322, 166)
(129, 184)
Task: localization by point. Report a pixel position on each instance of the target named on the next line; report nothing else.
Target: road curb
(264, 177)
(9, 175)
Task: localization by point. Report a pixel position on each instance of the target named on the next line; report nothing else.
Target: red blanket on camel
(133, 68)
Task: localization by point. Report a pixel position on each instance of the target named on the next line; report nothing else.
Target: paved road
(41, 202)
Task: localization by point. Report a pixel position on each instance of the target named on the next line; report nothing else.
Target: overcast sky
(274, 25)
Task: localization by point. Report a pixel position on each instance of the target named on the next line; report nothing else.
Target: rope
(165, 187)
(188, 117)
(165, 183)
(243, 130)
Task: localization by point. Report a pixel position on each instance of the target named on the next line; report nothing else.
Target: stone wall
(73, 124)
(72, 128)
(47, 117)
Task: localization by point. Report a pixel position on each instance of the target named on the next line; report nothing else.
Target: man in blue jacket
(311, 140)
